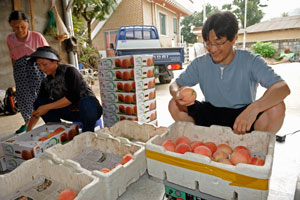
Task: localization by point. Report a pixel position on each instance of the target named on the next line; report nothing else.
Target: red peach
(125, 76)
(182, 148)
(134, 97)
(241, 147)
(121, 97)
(153, 116)
(257, 161)
(169, 145)
(212, 146)
(122, 118)
(240, 156)
(150, 84)
(128, 99)
(225, 161)
(127, 87)
(133, 85)
(131, 61)
(126, 158)
(132, 73)
(224, 147)
(129, 110)
(150, 61)
(67, 195)
(195, 144)
(72, 134)
(27, 155)
(105, 170)
(125, 63)
(118, 75)
(151, 95)
(219, 155)
(134, 109)
(152, 106)
(119, 86)
(118, 63)
(203, 150)
(63, 137)
(188, 94)
(43, 138)
(122, 108)
(149, 73)
(183, 139)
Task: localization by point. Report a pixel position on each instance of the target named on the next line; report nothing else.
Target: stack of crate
(127, 89)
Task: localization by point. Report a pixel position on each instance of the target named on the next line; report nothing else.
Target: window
(175, 25)
(162, 19)
(129, 35)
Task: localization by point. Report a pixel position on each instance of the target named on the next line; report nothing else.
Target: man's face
(220, 49)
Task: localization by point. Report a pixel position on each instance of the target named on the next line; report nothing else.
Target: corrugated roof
(291, 22)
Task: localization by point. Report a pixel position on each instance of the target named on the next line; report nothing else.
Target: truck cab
(144, 39)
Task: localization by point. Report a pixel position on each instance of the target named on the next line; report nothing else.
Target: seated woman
(64, 94)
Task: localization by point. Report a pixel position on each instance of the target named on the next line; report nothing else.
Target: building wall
(41, 8)
(129, 12)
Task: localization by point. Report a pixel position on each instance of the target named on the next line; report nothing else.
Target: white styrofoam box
(3, 166)
(1, 151)
(133, 130)
(28, 145)
(115, 182)
(82, 182)
(115, 62)
(198, 172)
(143, 60)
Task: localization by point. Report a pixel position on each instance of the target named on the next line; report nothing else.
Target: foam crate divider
(114, 183)
(67, 176)
(197, 172)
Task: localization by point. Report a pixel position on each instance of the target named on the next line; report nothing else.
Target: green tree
(285, 14)
(90, 10)
(196, 20)
(254, 12)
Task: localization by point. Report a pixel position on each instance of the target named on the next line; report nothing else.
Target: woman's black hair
(17, 15)
(224, 24)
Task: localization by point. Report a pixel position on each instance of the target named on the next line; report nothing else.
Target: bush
(266, 49)
(87, 56)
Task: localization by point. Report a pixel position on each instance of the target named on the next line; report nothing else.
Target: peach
(149, 73)
(169, 145)
(132, 73)
(118, 75)
(195, 144)
(153, 116)
(212, 146)
(150, 84)
(128, 99)
(240, 156)
(134, 97)
(125, 63)
(219, 155)
(241, 147)
(67, 195)
(183, 148)
(127, 87)
(122, 118)
(27, 155)
(188, 94)
(150, 61)
(152, 106)
(118, 164)
(257, 161)
(63, 137)
(126, 158)
(131, 61)
(118, 63)
(126, 76)
(122, 108)
(134, 109)
(72, 134)
(203, 150)
(129, 110)
(133, 85)
(43, 138)
(183, 139)
(225, 161)
(105, 170)
(119, 86)
(121, 97)
(224, 147)
(151, 95)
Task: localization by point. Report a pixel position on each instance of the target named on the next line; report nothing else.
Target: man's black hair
(17, 15)
(223, 23)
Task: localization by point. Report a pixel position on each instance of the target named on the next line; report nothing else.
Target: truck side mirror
(112, 46)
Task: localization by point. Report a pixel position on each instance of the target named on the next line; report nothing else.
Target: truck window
(147, 35)
(138, 35)
(129, 35)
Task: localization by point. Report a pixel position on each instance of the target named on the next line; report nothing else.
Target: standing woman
(21, 43)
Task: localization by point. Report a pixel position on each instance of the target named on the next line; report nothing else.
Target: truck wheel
(162, 80)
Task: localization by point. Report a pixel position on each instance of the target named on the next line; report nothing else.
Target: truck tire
(166, 77)
(162, 80)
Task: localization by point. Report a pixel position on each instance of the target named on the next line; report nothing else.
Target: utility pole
(245, 25)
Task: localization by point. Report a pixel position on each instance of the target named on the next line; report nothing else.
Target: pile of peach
(125, 159)
(222, 153)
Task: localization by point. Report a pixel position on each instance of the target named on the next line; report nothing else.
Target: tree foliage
(196, 20)
(91, 10)
(254, 12)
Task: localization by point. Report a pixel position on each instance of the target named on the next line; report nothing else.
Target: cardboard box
(12, 162)
(3, 166)
(43, 179)
(114, 182)
(198, 172)
(118, 62)
(33, 143)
